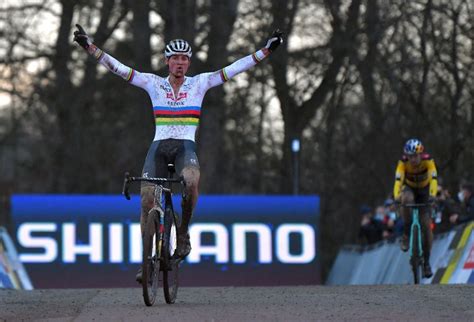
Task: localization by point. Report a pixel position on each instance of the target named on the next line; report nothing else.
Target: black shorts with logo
(180, 152)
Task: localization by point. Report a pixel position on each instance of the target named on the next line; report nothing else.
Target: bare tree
(221, 21)
(296, 115)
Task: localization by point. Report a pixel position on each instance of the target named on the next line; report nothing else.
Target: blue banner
(95, 240)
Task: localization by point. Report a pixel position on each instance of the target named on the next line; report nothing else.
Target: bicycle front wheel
(416, 260)
(171, 269)
(151, 258)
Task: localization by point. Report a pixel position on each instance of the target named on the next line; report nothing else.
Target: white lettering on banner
(28, 241)
(264, 235)
(221, 248)
(135, 243)
(94, 248)
(308, 243)
(237, 235)
(116, 243)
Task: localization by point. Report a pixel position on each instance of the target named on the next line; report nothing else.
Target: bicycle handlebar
(127, 179)
(416, 205)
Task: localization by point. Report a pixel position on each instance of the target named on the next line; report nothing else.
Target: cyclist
(416, 182)
(176, 101)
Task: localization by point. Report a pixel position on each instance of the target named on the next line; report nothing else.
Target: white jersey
(177, 115)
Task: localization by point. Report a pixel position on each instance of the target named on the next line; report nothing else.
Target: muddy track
(356, 303)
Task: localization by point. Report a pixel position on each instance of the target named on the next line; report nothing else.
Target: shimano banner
(95, 241)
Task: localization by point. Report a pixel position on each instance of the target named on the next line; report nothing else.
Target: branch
(24, 59)
(13, 93)
(45, 6)
(342, 44)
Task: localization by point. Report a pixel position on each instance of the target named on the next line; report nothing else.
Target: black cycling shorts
(162, 152)
(422, 195)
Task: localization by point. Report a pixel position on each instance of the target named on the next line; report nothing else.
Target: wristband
(260, 55)
(95, 51)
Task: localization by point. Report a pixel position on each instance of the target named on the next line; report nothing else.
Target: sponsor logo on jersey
(180, 96)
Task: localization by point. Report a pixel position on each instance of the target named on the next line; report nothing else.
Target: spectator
(466, 197)
(380, 214)
(382, 217)
(448, 208)
(370, 228)
(394, 223)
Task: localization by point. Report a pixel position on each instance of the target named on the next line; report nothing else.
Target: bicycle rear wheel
(416, 260)
(151, 259)
(171, 269)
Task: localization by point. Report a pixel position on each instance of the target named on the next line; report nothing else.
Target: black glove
(81, 37)
(397, 202)
(275, 40)
(432, 201)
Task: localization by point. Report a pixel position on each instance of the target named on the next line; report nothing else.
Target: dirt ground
(304, 303)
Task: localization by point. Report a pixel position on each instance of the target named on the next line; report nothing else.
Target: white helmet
(178, 47)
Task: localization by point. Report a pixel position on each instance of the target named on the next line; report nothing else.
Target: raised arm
(130, 75)
(245, 63)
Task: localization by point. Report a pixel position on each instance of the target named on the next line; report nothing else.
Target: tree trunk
(180, 18)
(297, 117)
(211, 130)
(142, 61)
(62, 89)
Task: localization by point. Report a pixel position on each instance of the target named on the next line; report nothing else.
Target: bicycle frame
(158, 198)
(415, 224)
(158, 231)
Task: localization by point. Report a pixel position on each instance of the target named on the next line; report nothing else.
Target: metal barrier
(12, 273)
(452, 261)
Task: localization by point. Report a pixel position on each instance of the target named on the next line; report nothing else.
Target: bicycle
(160, 239)
(416, 241)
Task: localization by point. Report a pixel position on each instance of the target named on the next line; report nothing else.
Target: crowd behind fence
(383, 222)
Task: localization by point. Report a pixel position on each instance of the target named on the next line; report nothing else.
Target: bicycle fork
(161, 220)
(161, 233)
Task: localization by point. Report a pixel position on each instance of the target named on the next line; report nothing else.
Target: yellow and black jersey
(416, 176)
